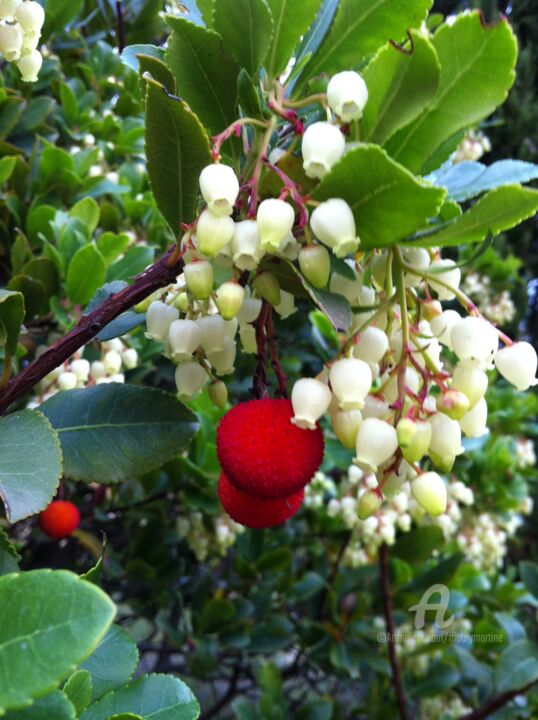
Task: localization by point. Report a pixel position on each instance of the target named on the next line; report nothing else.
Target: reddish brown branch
(496, 703)
(157, 276)
(275, 362)
(259, 380)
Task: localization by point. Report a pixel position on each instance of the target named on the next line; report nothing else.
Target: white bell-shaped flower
(190, 379)
(213, 329)
(231, 327)
(310, 399)
(249, 310)
(418, 258)
(219, 187)
(474, 338)
(159, 317)
(245, 245)
(315, 264)
(223, 359)
(333, 223)
(429, 490)
(199, 278)
(286, 306)
(322, 146)
(113, 362)
(372, 345)
(213, 232)
(375, 407)
(230, 296)
(350, 289)
(376, 443)
(470, 380)
(412, 382)
(67, 381)
(130, 358)
(81, 368)
(346, 424)
(347, 95)
(445, 443)
(10, 42)
(30, 16)
(98, 370)
(517, 363)
(7, 8)
(275, 220)
(290, 247)
(351, 380)
(474, 423)
(414, 438)
(29, 66)
(184, 336)
(441, 326)
(444, 271)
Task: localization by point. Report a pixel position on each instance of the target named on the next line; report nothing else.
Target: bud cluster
(21, 22)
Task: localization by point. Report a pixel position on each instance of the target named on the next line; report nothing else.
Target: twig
(389, 622)
(228, 695)
(259, 379)
(120, 25)
(157, 276)
(496, 703)
(275, 362)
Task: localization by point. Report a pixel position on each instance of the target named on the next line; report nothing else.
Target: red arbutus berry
(263, 453)
(255, 512)
(59, 519)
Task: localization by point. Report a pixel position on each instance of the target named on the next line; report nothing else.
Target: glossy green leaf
(529, 574)
(400, 86)
(88, 211)
(291, 21)
(246, 28)
(11, 316)
(133, 262)
(388, 202)
(158, 71)
(466, 180)
(111, 246)
(52, 617)
(78, 689)
(418, 545)
(113, 662)
(517, 666)
(177, 149)
(152, 696)
(129, 55)
(30, 463)
(469, 89)
(21, 252)
(45, 271)
(112, 433)
(59, 14)
(55, 706)
(7, 165)
(85, 274)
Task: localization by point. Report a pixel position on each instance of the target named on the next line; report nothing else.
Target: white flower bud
(190, 379)
(453, 403)
(441, 326)
(445, 443)
(517, 363)
(130, 358)
(315, 264)
(290, 247)
(474, 339)
(248, 339)
(117, 378)
(471, 381)
(249, 310)
(218, 392)
(286, 306)
(323, 145)
(81, 368)
(245, 245)
(199, 278)
(98, 370)
(376, 443)
(223, 359)
(414, 439)
(347, 95)
(7, 8)
(219, 187)
(346, 424)
(159, 317)
(30, 16)
(333, 223)
(418, 258)
(451, 275)
(10, 42)
(114, 344)
(375, 407)
(310, 399)
(213, 232)
(474, 423)
(29, 66)
(275, 220)
(184, 337)
(267, 287)
(351, 380)
(231, 327)
(230, 296)
(112, 362)
(67, 381)
(372, 346)
(369, 503)
(429, 490)
(213, 329)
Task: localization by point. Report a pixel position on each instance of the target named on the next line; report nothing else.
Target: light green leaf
(129, 54)
(20, 253)
(498, 210)
(151, 695)
(55, 706)
(133, 262)
(158, 70)
(517, 666)
(7, 165)
(400, 86)
(388, 202)
(477, 70)
(111, 433)
(78, 689)
(360, 28)
(466, 180)
(30, 463)
(88, 211)
(246, 28)
(59, 14)
(206, 75)
(51, 621)
(9, 556)
(11, 316)
(111, 246)
(126, 716)
(85, 274)
(291, 21)
(177, 149)
(113, 662)
(417, 546)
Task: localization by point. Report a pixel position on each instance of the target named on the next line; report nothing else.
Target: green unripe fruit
(413, 438)
(346, 424)
(369, 503)
(268, 288)
(218, 392)
(181, 302)
(199, 278)
(230, 297)
(453, 403)
(429, 491)
(315, 264)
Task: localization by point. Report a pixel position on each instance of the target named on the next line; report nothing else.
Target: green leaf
(291, 21)
(126, 716)
(417, 546)
(30, 463)
(439, 678)
(440, 573)
(308, 586)
(111, 246)
(360, 28)
(45, 271)
(112, 433)
(7, 546)
(34, 294)
(55, 706)
(20, 253)
(248, 96)
(529, 574)
(11, 316)
(206, 75)
(129, 55)
(78, 689)
(400, 86)
(85, 274)
(158, 71)
(177, 149)
(246, 28)
(52, 617)
(517, 666)
(112, 663)
(318, 709)
(133, 262)
(7, 165)
(152, 695)
(469, 90)
(388, 202)
(498, 210)
(88, 211)
(59, 14)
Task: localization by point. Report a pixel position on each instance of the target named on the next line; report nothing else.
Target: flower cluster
(221, 534)
(21, 22)
(473, 146)
(498, 307)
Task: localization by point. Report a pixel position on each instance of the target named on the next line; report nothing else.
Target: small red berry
(263, 453)
(59, 519)
(255, 512)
